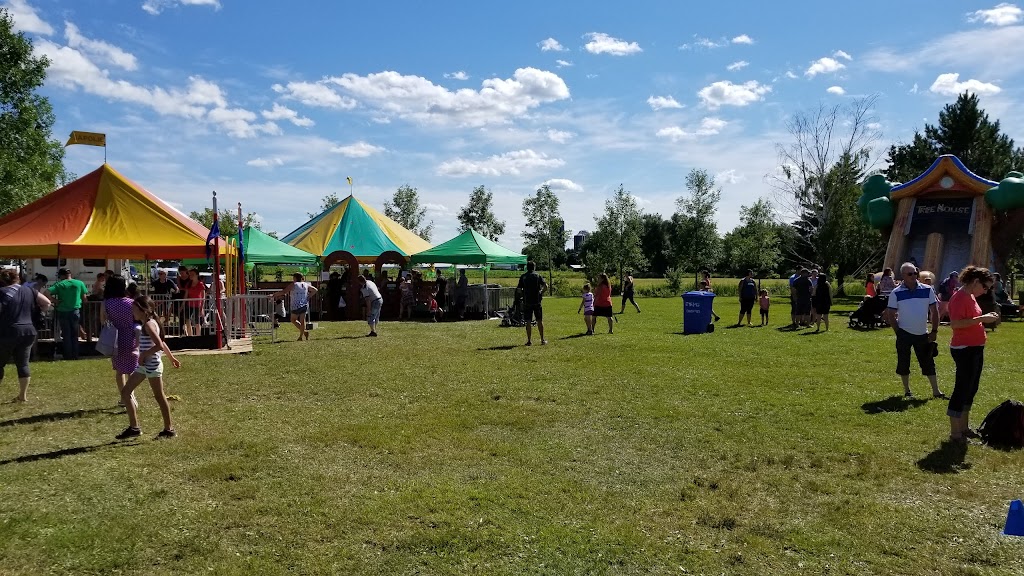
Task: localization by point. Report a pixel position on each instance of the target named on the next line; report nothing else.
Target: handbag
(107, 342)
(341, 301)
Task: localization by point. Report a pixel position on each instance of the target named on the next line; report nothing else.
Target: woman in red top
(196, 295)
(967, 347)
(603, 299)
(869, 285)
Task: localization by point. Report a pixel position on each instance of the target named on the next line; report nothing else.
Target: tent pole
(216, 280)
(486, 295)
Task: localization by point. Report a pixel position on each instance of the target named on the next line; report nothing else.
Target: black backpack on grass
(1004, 425)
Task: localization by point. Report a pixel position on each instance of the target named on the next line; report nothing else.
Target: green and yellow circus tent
(353, 226)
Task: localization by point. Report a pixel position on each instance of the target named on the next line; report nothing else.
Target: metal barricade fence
(251, 314)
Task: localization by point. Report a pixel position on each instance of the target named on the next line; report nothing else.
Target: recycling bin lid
(698, 294)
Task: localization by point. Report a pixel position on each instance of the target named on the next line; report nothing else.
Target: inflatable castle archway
(946, 218)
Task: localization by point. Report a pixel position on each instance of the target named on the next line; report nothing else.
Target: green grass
(452, 449)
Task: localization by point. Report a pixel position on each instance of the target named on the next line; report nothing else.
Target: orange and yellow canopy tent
(354, 227)
(102, 215)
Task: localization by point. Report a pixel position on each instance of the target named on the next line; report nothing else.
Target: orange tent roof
(101, 215)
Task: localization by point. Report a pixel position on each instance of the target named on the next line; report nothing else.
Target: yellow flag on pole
(87, 138)
(349, 179)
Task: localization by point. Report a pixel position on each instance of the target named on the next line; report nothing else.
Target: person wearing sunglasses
(912, 305)
(967, 347)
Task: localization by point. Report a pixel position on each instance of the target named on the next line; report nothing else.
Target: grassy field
(453, 449)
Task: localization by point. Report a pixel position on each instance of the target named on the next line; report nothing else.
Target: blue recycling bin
(697, 311)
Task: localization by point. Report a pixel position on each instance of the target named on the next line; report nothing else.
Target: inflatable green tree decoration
(875, 208)
(1009, 194)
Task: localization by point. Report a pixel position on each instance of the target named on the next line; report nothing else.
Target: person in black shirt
(163, 291)
(442, 291)
(17, 329)
(531, 286)
(802, 289)
(748, 296)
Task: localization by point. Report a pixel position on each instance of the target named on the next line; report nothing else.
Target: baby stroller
(869, 313)
(513, 316)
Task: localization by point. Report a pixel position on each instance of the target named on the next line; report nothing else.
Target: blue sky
(274, 104)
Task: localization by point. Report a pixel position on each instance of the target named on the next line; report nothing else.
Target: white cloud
(99, 49)
(279, 112)
(436, 208)
(1003, 14)
(460, 75)
(509, 163)
(662, 102)
(551, 44)
(742, 39)
(949, 85)
(725, 93)
(740, 65)
(837, 90)
(155, 7)
(417, 99)
(824, 66)
(314, 94)
(989, 51)
(559, 136)
(201, 100)
(26, 19)
(601, 43)
(563, 184)
(700, 42)
(913, 90)
(563, 63)
(358, 150)
(265, 162)
(708, 127)
(791, 75)
(843, 55)
(730, 176)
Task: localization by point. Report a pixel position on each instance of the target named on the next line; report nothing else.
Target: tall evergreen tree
(616, 244)
(545, 233)
(31, 162)
(965, 131)
(695, 241)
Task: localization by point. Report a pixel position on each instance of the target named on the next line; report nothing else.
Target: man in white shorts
(371, 295)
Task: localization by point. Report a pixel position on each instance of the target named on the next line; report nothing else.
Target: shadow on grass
(55, 454)
(892, 404)
(948, 458)
(492, 348)
(574, 336)
(812, 333)
(56, 416)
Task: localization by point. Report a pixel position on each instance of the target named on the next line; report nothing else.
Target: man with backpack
(531, 286)
(748, 295)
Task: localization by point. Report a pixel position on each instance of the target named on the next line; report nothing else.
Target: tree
(545, 233)
(754, 244)
(965, 131)
(31, 162)
(694, 231)
(817, 183)
(654, 242)
(328, 202)
(478, 215)
(615, 244)
(227, 221)
(404, 208)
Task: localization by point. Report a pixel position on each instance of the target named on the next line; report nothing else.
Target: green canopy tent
(469, 248)
(261, 248)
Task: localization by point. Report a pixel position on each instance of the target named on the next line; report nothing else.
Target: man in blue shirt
(912, 305)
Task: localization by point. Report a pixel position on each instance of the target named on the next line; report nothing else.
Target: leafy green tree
(328, 202)
(615, 244)
(227, 221)
(404, 208)
(965, 131)
(754, 244)
(694, 230)
(31, 162)
(654, 241)
(545, 233)
(817, 184)
(478, 215)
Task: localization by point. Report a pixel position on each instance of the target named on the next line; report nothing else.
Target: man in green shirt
(70, 294)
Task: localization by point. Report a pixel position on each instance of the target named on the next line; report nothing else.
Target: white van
(82, 269)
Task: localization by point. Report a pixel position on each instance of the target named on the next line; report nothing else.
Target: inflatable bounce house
(946, 218)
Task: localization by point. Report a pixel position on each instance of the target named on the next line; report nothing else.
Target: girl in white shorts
(150, 347)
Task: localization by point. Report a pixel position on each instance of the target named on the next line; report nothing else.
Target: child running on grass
(587, 306)
(765, 302)
(150, 347)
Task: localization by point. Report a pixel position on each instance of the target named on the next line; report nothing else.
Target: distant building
(579, 239)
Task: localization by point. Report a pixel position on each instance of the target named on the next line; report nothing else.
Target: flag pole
(244, 318)
(216, 277)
